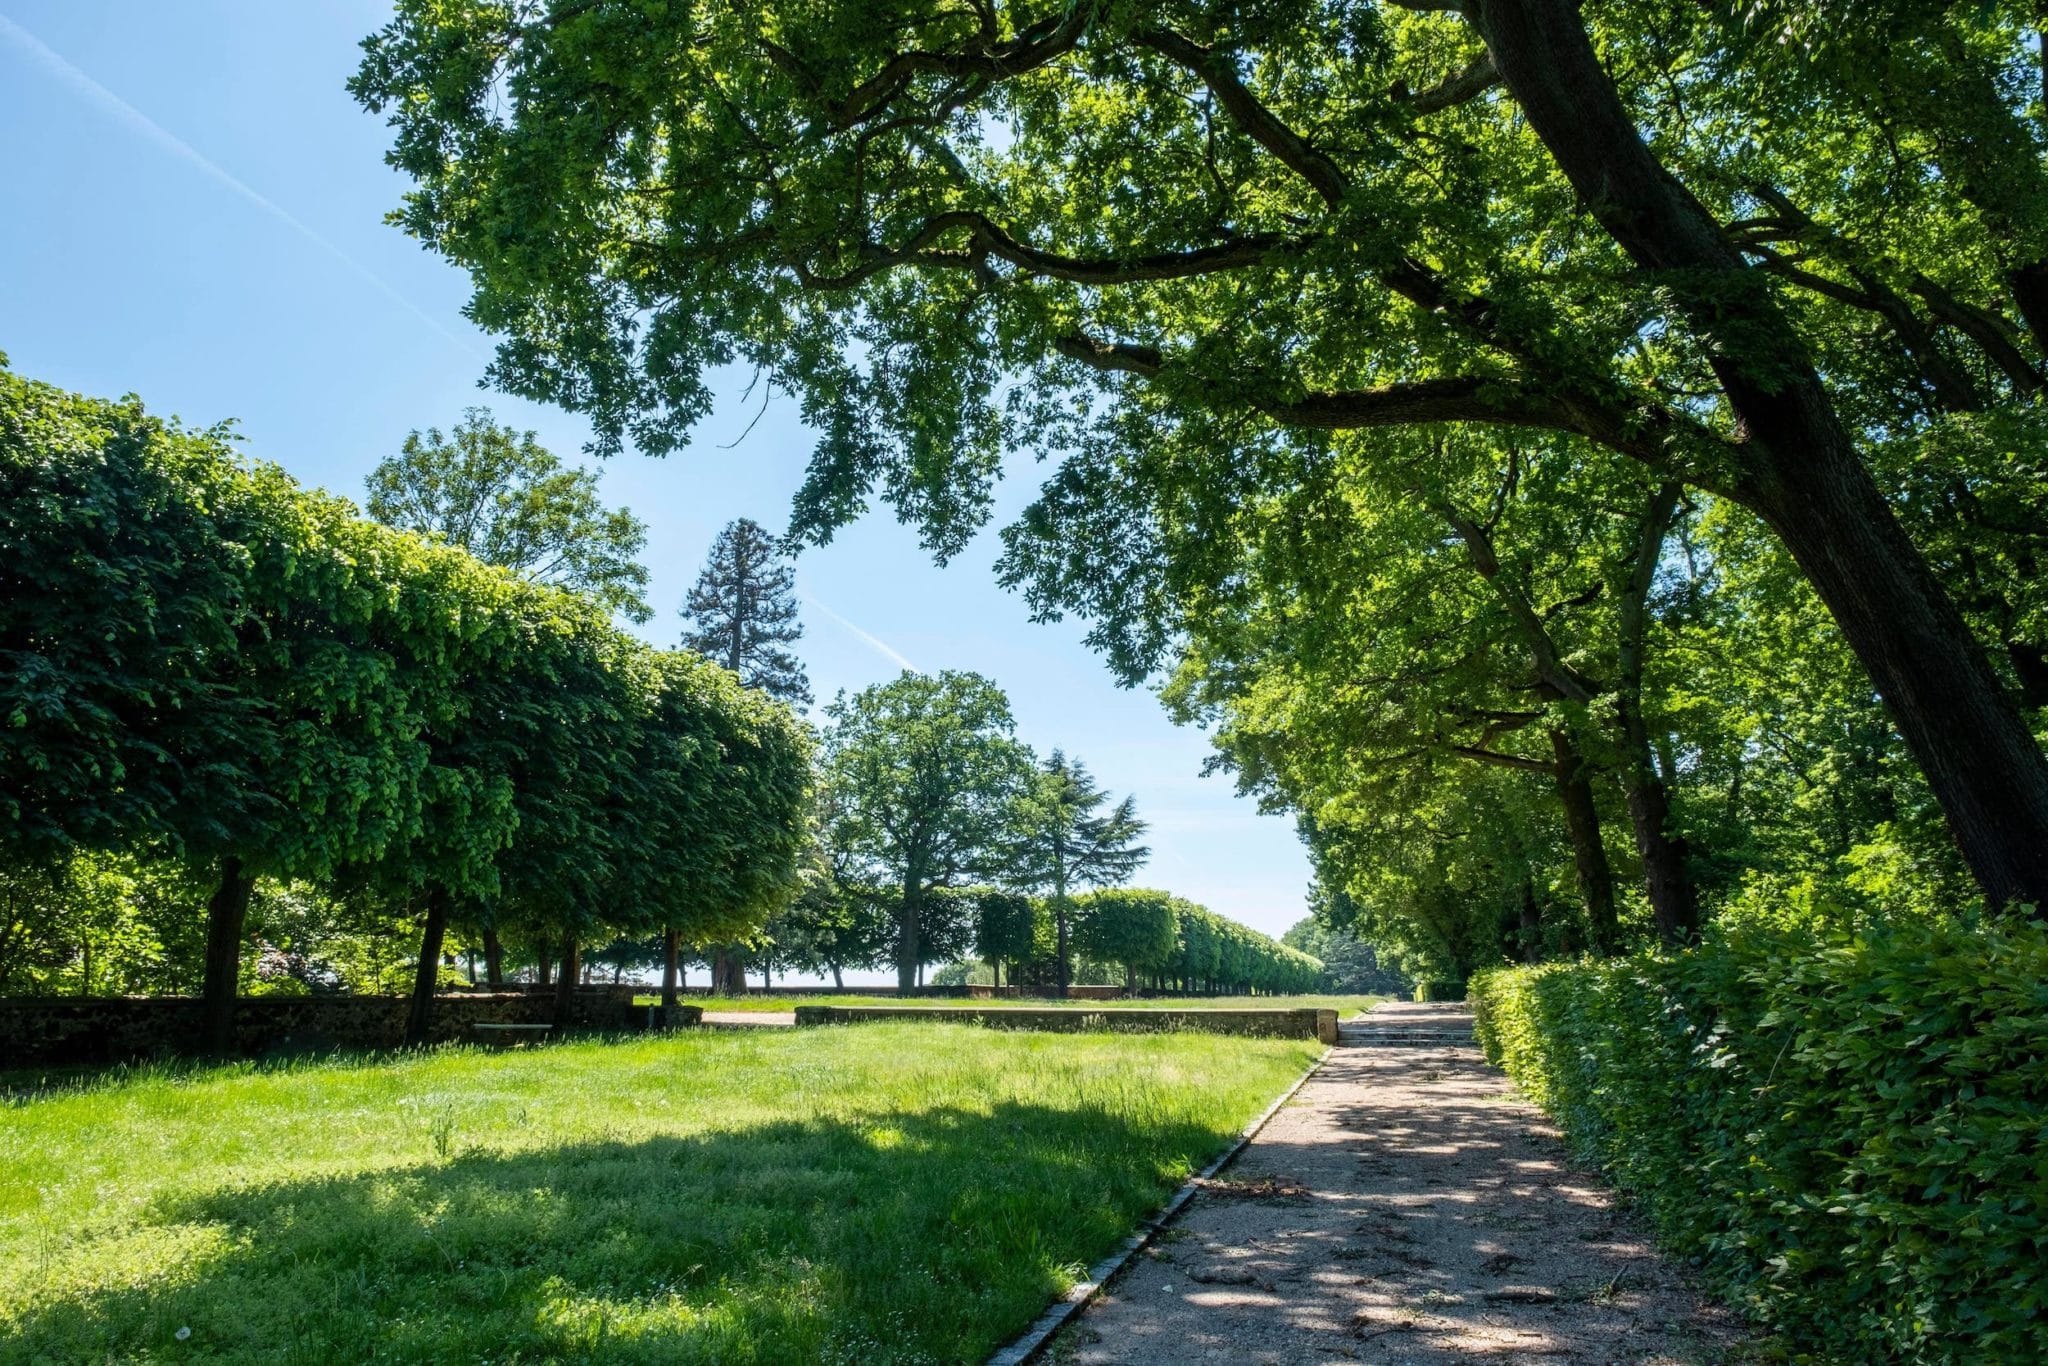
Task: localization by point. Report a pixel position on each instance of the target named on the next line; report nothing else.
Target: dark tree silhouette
(743, 611)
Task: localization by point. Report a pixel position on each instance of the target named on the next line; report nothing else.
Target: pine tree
(1061, 841)
(743, 611)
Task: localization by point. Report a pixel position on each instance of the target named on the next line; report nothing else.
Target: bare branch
(1475, 79)
(1047, 40)
(1500, 760)
(1218, 72)
(1459, 398)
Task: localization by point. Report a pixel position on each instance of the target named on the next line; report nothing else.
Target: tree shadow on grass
(932, 1236)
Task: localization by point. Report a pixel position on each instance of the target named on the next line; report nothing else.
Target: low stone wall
(40, 1031)
(973, 992)
(1302, 1023)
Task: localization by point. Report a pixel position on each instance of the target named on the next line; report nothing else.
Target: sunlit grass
(902, 1192)
(1345, 1006)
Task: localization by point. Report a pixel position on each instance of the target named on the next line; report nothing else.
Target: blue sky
(191, 209)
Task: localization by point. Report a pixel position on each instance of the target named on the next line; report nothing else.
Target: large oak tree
(1158, 240)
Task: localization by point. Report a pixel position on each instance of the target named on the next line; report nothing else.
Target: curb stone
(1028, 1346)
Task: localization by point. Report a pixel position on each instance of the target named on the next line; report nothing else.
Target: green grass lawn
(900, 1192)
(1345, 1006)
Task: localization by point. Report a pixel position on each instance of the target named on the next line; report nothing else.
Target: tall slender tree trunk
(1802, 474)
(1531, 927)
(1589, 851)
(226, 913)
(1664, 853)
(544, 968)
(1059, 922)
(567, 980)
(671, 961)
(838, 982)
(494, 958)
(419, 1016)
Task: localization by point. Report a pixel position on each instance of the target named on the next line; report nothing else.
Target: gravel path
(1407, 1206)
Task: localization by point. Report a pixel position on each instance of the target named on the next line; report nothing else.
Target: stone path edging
(1025, 1348)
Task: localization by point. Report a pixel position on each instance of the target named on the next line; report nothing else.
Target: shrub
(1849, 1131)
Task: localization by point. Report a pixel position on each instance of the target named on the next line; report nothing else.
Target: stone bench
(499, 1032)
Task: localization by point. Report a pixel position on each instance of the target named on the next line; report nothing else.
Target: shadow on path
(1407, 1207)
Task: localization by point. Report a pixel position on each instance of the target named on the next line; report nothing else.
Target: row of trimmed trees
(1152, 939)
(202, 662)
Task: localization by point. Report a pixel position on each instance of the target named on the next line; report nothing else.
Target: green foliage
(1009, 927)
(922, 774)
(204, 661)
(98, 925)
(506, 499)
(1130, 926)
(1349, 964)
(1846, 1128)
(1270, 282)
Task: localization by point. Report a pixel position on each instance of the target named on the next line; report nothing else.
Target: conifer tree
(743, 611)
(1060, 841)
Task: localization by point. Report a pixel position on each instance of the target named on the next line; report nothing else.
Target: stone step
(1384, 1039)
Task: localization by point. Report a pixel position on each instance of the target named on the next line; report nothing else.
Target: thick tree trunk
(419, 1016)
(728, 973)
(1803, 476)
(1980, 760)
(544, 969)
(671, 962)
(907, 947)
(1571, 773)
(225, 916)
(838, 982)
(567, 980)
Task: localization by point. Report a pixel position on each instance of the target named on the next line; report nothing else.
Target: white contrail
(879, 645)
(74, 76)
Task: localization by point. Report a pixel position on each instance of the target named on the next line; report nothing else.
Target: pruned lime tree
(209, 664)
(1762, 252)
(1132, 927)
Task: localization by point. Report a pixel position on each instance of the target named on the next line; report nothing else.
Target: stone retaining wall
(976, 992)
(1304, 1023)
(40, 1031)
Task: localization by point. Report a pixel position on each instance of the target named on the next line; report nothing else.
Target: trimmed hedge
(1850, 1133)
